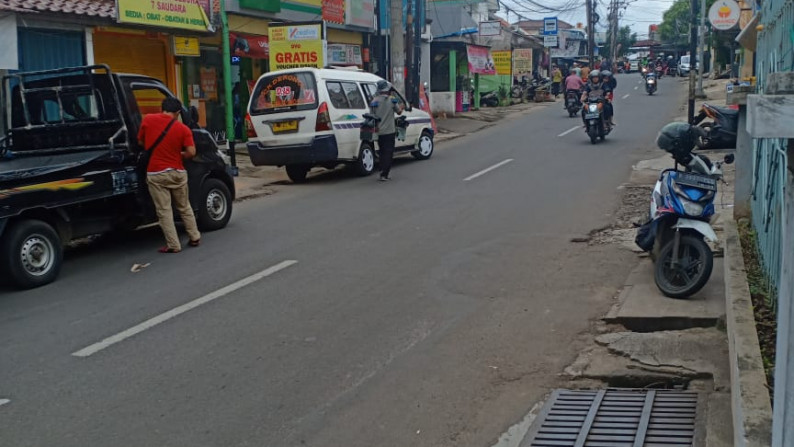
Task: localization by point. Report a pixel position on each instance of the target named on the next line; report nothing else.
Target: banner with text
(334, 11)
(183, 14)
(255, 47)
(480, 60)
(344, 54)
(295, 46)
(503, 62)
(522, 60)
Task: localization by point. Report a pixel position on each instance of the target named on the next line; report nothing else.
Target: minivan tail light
(323, 119)
(249, 126)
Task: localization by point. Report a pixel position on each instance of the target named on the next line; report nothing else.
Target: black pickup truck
(70, 165)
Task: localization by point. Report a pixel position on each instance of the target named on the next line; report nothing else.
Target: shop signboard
(209, 83)
(186, 46)
(522, 60)
(344, 54)
(360, 13)
(724, 14)
(334, 10)
(490, 28)
(567, 46)
(502, 61)
(551, 41)
(188, 15)
(254, 47)
(296, 45)
(480, 60)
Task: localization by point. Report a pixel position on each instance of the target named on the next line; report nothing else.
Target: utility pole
(693, 41)
(702, 51)
(397, 39)
(613, 31)
(409, 48)
(590, 28)
(419, 23)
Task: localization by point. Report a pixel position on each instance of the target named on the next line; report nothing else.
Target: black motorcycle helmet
(678, 139)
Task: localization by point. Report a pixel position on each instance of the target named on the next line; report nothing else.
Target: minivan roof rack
(344, 67)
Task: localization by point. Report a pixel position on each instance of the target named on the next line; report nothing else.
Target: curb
(750, 405)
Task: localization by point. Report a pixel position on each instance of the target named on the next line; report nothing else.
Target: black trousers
(386, 148)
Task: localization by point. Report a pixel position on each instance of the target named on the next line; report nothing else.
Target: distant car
(634, 66)
(684, 66)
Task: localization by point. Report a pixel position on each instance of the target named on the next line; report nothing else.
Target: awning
(748, 37)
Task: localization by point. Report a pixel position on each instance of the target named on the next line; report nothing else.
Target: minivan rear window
(285, 92)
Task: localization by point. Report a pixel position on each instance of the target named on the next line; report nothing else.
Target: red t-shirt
(168, 154)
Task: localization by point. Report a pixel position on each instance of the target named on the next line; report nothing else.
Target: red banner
(424, 104)
(334, 11)
(255, 47)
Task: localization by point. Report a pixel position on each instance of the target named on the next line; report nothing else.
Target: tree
(625, 39)
(676, 22)
(674, 29)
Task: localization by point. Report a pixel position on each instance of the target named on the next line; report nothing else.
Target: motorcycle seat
(728, 112)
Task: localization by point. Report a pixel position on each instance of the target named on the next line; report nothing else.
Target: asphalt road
(433, 310)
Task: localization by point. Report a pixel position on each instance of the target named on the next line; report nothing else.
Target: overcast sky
(638, 14)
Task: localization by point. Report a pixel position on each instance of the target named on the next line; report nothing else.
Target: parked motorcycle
(651, 83)
(489, 99)
(720, 132)
(682, 204)
(572, 103)
(596, 126)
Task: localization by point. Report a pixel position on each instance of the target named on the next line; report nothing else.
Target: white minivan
(306, 117)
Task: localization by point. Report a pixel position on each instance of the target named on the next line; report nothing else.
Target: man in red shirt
(166, 175)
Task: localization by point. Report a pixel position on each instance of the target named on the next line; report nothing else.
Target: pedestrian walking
(556, 80)
(169, 142)
(384, 106)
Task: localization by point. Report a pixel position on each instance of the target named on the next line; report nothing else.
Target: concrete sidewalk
(258, 181)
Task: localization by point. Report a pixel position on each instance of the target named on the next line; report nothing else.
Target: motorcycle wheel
(593, 134)
(693, 271)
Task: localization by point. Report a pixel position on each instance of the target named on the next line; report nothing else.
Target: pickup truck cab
(70, 165)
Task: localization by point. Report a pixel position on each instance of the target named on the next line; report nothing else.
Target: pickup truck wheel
(297, 173)
(424, 147)
(31, 254)
(215, 205)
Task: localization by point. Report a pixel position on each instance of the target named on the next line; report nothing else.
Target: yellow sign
(296, 46)
(184, 14)
(503, 61)
(186, 46)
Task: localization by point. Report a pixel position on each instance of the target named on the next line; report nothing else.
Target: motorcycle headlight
(692, 208)
(593, 108)
(651, 81)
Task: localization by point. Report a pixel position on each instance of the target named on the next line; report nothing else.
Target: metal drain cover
(615, 418)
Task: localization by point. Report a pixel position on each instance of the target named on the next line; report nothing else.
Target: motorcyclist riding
(612, 84)
(573, 83)
(596, 88)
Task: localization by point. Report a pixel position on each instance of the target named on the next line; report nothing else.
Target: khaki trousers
(165, 187)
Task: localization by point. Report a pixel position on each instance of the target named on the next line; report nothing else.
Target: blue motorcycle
(682, 205)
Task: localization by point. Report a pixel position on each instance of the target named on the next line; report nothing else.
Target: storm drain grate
(615, 418)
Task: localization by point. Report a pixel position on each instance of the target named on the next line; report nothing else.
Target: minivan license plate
(284, 126)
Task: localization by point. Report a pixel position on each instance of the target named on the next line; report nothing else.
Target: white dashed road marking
(568, 131)
(487, 170)
(179, 310)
